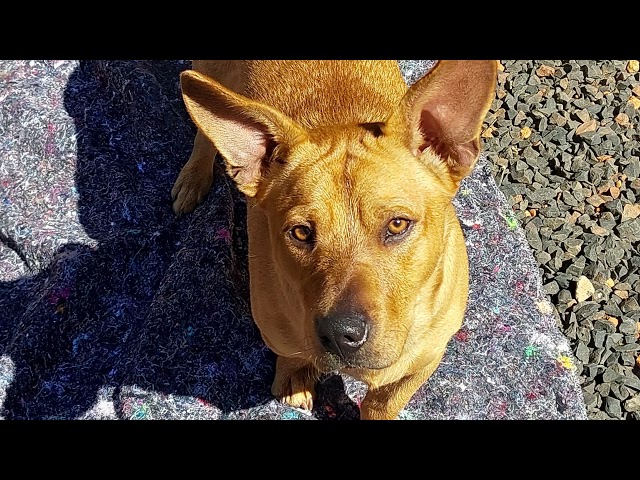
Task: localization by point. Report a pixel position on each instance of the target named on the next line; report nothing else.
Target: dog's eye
(302, 233)
(398, 226)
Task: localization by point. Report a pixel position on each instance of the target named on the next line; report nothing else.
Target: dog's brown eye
(398, 226)
(302, 233)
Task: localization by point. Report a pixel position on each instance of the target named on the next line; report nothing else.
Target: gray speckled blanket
(112, 308)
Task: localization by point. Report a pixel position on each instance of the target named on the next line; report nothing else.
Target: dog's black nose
(343, 333)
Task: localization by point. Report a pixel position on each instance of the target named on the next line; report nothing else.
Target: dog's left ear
(445, 110)
(245, 132)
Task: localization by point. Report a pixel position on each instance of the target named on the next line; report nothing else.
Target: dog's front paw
(294, 383)
(191, 187)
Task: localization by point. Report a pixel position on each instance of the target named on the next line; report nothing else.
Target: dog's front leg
(294, 382)
(386, 402)
(196, 177)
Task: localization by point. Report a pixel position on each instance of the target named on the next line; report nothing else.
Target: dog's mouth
(329, 362)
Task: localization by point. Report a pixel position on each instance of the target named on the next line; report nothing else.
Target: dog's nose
(343, 334)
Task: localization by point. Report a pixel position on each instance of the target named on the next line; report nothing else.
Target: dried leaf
(623, 294)
(615, 192)
(599, 231)
(630, 212)
(622, 119)
(545, 71)
(596, 200)
(488, 133)
(589, 126)
(573, 217)
(633, 66)
(612, 320)
(604, 158)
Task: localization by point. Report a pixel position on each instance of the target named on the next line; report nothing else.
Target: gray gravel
(563, 140)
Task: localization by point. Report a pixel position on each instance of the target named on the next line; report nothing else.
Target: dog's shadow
(158, 303)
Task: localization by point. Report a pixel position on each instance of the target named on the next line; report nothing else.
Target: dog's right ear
(245, 132)
(444, 111)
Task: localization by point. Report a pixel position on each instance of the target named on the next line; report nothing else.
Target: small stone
(603, 389)
(633, 404)
(632, 66)
(582, 352)
(632, 170)
(627, 347)
(628, 327)
(607, 220)
(619, 391)
(630, 212)
(613, 339)
(612, 309)
(584, 289)
(630, 305)
(612, 407)
(557, 119)
(635, 102)
(551, 288)
(613, 256)
(629, 230)
(525, 132)
(543, 257)
(586, 310)
(583, 115)
(520, 116)
(533, 237)
(628, 358)
(590, 399)
(610, 375)
(631, 381)
(610, 282)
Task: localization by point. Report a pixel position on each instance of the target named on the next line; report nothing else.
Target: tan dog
(356, 256)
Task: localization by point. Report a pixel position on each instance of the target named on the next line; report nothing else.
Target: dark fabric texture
(112, 308)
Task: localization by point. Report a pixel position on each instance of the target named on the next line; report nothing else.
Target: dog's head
(359, 215)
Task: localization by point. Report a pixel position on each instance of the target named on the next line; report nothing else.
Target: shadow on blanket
(156, 303)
